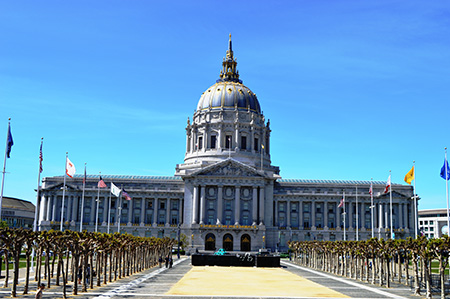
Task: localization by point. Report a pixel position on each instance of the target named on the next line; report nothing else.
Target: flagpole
(82, 200)
(109, 210)
(380, 220)
(344, 214)
(37, 201)
(98, 202)
(119, 212)
(357, 237)
(390, 204)
(415, 201)
(372, 207)
(38, 188)
(446, 188)
(4, 169)
(64, 193)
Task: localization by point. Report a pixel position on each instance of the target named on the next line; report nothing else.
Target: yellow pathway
(247, 281)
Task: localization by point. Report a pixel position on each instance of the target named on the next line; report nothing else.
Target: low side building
(433, 223)
(18, 213)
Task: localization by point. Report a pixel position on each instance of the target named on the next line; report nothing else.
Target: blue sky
(353, 89)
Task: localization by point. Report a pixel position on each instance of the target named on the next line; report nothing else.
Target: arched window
(228, 242)
(210, 242)
(246, 244)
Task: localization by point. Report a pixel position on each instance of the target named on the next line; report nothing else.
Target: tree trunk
(67, 267)
(105, 268)
(416, 276)
(5, 285)
(16, 272)
(427, 277)
(27, 274)
(388, 273)
(76, 260)
(442, 276)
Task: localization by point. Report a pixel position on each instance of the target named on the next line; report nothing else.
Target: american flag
(101, 183)
(341, 204)
(125, 194)
(41, 158)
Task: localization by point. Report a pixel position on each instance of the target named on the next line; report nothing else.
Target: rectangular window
(150, 205)
(200, 143)
(294, 207)
(174, 217)
(228, 141)
(162, 205)
(256, 145)
(243, 143)
(213, 141)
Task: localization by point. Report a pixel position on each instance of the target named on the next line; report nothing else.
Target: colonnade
(199, 213)
(201, 137)
(403, 216)
(146, 210)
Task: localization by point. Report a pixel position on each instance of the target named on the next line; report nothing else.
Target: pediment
(395, 194)
(229, 168)
(57, 187)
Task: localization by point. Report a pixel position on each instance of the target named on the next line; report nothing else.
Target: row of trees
(96, 256)
(378, 260)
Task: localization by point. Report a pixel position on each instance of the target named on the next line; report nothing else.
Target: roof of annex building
(125, 177)
(432, 212)
(17, 204)
(177, 178)
(341, 182)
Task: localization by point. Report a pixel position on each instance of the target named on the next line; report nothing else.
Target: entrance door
(210, 242)
(245, 243)
(228, 242)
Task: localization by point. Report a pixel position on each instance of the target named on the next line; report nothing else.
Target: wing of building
(227, 194)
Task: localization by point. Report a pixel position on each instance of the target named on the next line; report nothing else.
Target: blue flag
(9, 142)
(445, 170)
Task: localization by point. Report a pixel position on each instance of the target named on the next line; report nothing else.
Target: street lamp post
(178, 252)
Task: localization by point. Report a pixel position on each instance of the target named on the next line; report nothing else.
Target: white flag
(70, 168)
(115, 190)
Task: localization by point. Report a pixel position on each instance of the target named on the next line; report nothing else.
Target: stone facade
(227, 194)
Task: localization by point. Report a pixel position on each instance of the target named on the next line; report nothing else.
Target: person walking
(170, 262)
(39, 291)
(167, 261)
(160, 261)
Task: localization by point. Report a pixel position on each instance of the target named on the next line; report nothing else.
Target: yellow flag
(262, 145)
(410, 176)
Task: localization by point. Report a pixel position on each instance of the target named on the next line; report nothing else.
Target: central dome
(229, 92)
(228, 95)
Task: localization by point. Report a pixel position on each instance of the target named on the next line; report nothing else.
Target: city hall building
(226, 193)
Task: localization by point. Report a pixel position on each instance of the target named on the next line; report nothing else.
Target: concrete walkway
(186, 281)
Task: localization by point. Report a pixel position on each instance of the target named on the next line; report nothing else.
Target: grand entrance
(228, 242)
(246, 244)
(210, 242)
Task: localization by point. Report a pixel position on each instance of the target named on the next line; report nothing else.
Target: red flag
(388, 185)
(101, 183)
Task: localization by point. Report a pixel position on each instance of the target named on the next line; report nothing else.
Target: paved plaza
(186, 281)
